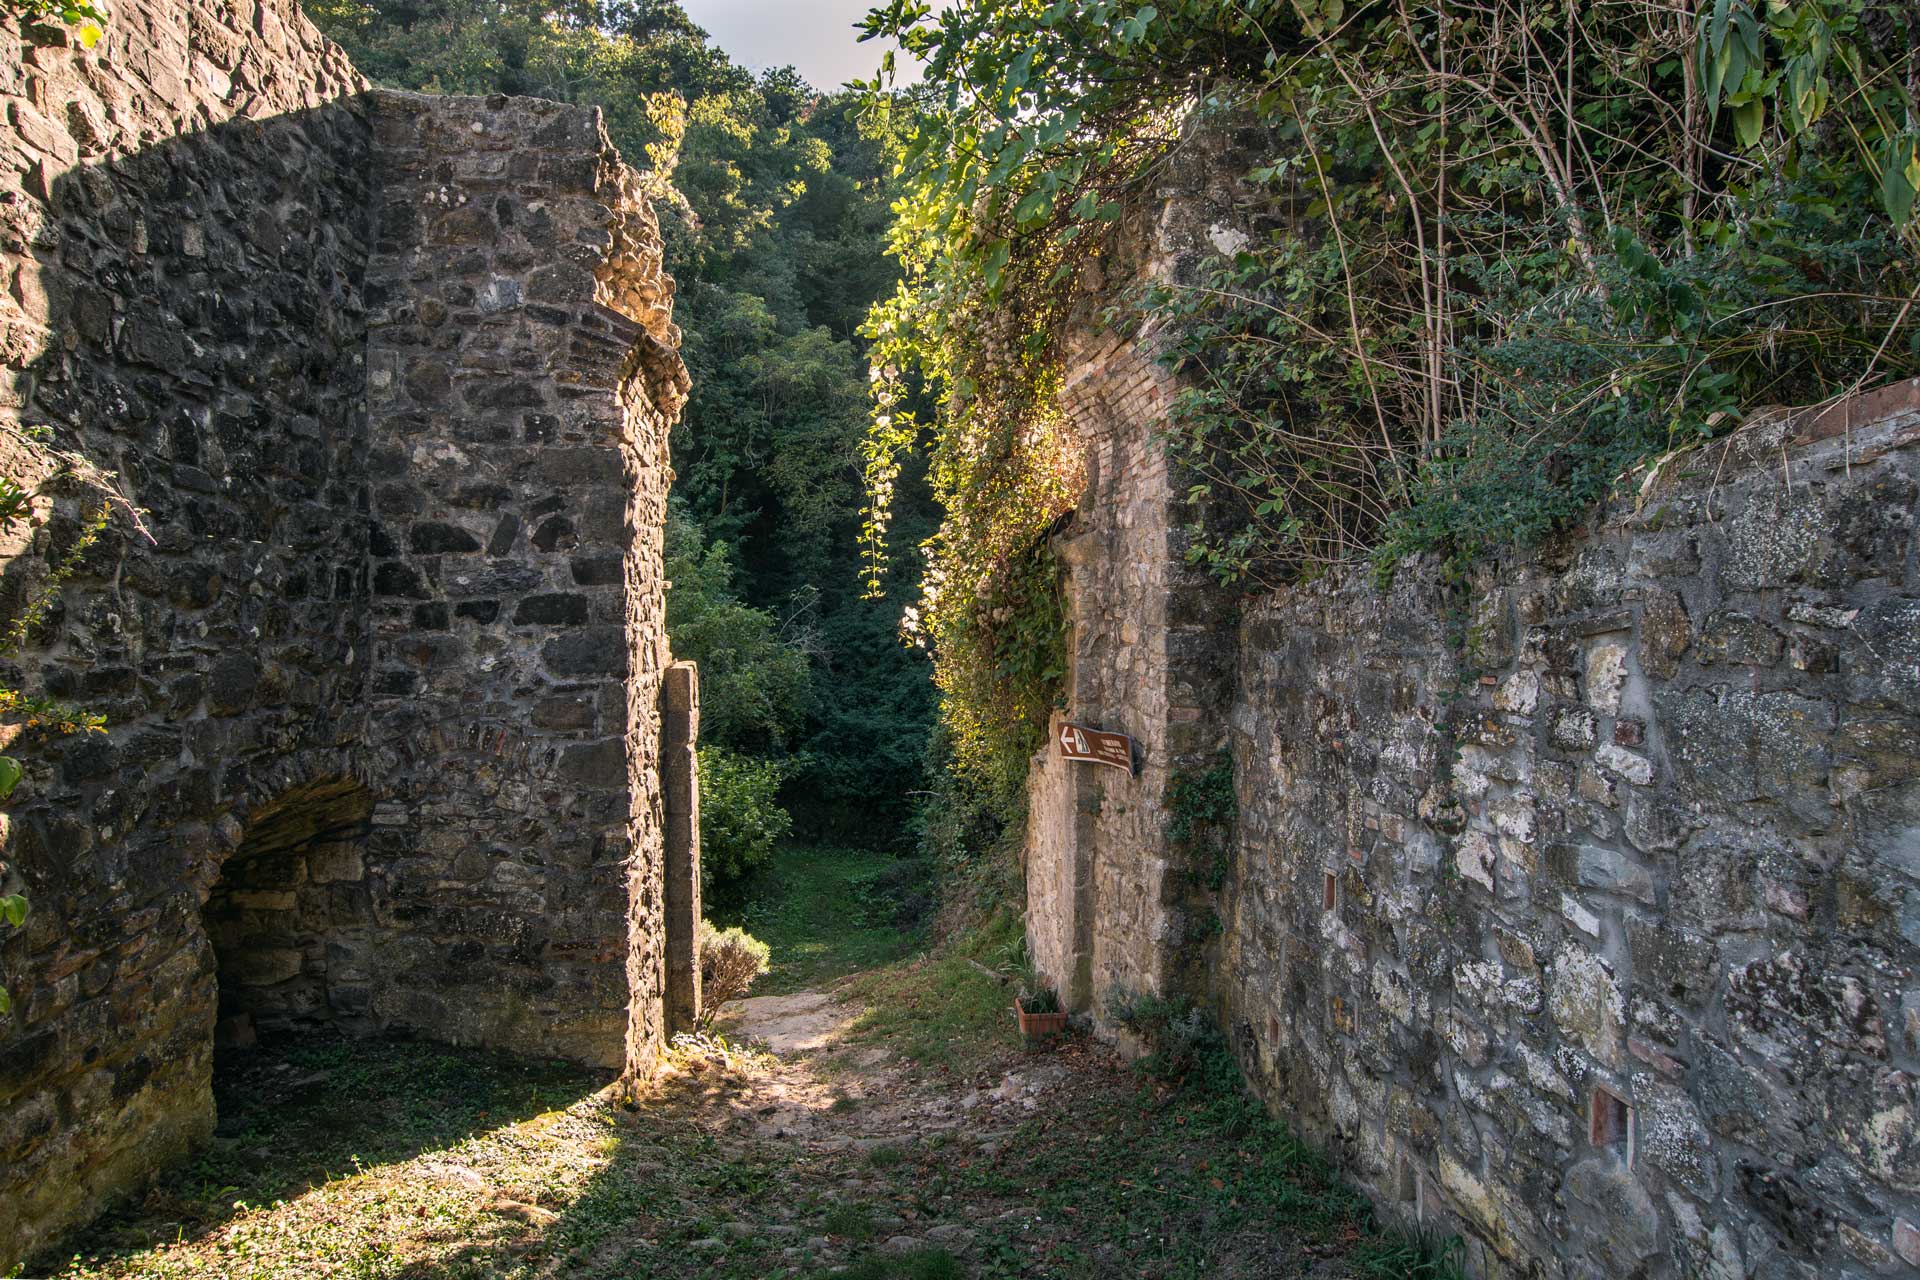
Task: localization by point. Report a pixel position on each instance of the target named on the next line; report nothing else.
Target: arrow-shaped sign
(1095, 746)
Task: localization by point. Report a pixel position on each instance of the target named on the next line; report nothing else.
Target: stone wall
(1151, 656)
(390, 378)
(184, 224)
(519, 493)
(1587, 924)
(1576, 912)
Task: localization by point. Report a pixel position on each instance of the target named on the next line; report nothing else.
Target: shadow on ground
(302, 1111)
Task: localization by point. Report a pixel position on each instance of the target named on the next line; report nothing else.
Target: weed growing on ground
(918, 1264)
(951, 1009)
(849, 1220)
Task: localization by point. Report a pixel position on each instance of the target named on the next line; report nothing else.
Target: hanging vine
(1498, 253)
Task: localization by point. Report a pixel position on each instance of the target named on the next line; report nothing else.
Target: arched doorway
(289, 917)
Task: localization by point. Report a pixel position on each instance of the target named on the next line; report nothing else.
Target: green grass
(942, 1010)
(849, 1220)
(391, 1160)
(916, 1264)
(810, 908)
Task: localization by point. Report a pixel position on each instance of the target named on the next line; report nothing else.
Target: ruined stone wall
(184, 227)
(1577, 911)
(520, 476)
(391, 379)
(1151, 655)
(1585, 921)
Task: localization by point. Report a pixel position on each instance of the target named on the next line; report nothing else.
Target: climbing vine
(1009, 183)
(1481, 258)
(28, 719)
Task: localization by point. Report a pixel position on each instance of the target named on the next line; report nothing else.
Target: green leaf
(1899, 180)
(996, 264)
(1034, 208)
(1717, 27)
(13, 909)
(1748, 119)
(9, 775)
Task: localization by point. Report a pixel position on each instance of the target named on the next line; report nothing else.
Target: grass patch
(849, 1220)
(1401, 1255)
(816, 909)
(942, 1010)
(886, 1157)
(916, 1264)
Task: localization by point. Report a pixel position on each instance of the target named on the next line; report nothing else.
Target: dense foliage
(741, 821)
(1483, 259)
(774, 216)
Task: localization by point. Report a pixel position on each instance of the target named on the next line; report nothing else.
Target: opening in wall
(289, 916)
(1610, 1123)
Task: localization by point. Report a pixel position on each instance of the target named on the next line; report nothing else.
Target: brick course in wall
(391, 377)
(1576, 911)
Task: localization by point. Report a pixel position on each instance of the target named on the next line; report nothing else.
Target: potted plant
(1040, 1013)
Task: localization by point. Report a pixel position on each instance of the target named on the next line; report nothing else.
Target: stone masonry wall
(1587, 924)
(523, 377)
(1151, 657)
(1151, 654)
(391, 379)
(184, 229)
(1576, 910)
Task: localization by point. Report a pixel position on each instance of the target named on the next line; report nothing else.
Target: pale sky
(817, 36)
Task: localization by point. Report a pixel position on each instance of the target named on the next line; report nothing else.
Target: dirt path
(851, 1114)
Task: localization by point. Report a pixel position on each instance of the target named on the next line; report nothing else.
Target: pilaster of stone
(680, 779)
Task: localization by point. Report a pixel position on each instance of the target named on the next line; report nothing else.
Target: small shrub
(741, 821)
(730, 959)
(1179, 1036)
(1040, 1000)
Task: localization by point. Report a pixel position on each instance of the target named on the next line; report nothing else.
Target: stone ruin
(394, 739)
(1578, 913)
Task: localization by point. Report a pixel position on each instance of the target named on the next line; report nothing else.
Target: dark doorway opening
(290, 916)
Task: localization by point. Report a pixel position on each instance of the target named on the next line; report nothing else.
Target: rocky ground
(825, 1151)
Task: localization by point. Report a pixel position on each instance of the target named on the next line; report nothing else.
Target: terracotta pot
(1039, 1024)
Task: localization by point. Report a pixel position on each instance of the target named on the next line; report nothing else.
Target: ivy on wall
(1481, 260)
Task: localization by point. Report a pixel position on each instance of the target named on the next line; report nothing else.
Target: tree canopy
(774, 204)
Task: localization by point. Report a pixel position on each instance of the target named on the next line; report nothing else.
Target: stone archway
(290, 916)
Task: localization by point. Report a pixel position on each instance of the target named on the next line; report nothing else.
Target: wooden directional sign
(1077, 742)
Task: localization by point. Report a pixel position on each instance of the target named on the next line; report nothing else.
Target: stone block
(1611, 871)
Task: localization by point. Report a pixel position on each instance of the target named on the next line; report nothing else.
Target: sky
(816, 36)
